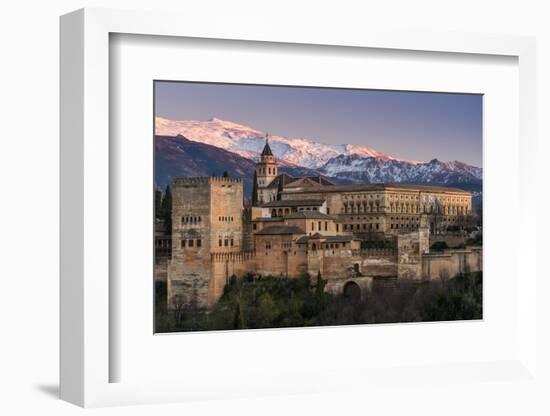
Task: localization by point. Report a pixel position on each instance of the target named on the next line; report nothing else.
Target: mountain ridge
(219, 145)
(248, 142)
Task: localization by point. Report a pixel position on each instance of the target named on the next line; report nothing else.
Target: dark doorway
(352, 291)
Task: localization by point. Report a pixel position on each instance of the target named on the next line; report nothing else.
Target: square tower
(207, 218)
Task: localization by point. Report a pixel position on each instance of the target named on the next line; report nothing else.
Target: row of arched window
(319, 225)
(191, 243)
(225, 219)
(190, 219)
(429, 209)
(268, 171)
(225, 242)
(353, 208)
(361, 207)
(279, 212)
(361, 227)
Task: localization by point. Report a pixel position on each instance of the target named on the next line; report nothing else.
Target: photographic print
(290, 206)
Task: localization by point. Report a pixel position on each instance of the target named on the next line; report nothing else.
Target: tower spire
(267, 149)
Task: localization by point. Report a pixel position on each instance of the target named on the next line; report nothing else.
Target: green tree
(320, 286)
(167, 210)
(280, 188)
(267, 311)
(238, 317)
(254, 190)
(439, 246)
(158, 203)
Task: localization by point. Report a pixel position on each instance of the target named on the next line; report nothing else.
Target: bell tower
(266, 171)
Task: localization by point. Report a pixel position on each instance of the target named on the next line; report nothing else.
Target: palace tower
(266, 172)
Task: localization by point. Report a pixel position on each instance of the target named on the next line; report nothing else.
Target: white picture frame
(85, 211)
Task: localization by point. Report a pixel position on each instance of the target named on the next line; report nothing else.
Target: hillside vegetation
(268, 302)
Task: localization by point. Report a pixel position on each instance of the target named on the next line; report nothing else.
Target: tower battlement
(203, 180)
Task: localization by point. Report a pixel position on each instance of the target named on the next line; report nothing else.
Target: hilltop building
(350, 234)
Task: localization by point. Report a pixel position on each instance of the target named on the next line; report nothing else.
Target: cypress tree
(167, 210)
(279, 188)
(158, 204)
(254, 190)
(320, 287)
(237, 317)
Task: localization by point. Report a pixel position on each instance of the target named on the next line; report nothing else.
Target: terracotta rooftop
(309, 214)
(288, 180)
(280, 230)
(268, 219)
(328, 238)
(294, 203)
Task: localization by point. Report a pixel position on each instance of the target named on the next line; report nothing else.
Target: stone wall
(161, 269)
(225, 265)
(410, 250)
(450, 263)
(273, 260)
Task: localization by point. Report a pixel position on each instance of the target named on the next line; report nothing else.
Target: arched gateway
(352, 291)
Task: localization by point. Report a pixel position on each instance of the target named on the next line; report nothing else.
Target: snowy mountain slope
(374, 170)
(248, 142)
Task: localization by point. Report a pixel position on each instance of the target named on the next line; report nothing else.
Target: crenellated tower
(206, 218)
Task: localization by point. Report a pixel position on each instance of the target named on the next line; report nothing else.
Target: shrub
(439, 246)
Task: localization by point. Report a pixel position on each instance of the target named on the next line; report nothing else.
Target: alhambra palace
(353, 235)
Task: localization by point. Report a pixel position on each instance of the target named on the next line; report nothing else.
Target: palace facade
(309, 225)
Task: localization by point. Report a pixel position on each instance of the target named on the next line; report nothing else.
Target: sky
(410, 125)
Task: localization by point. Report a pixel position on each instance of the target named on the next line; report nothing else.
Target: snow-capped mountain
(357, 168)
(248, 142)
(345, 163)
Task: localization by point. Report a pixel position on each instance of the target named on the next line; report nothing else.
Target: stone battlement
(203, 180)
(238, 257)
(376, 252)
